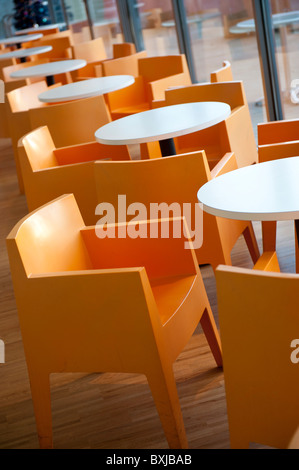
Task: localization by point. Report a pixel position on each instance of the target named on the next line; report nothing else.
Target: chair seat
(170, 294)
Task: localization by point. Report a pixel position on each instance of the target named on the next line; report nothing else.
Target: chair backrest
(231, 93)
(258, 314)
(169, 180)
(40, 148)
(124, 65)
(278, 132)
(73, 122)
(224, 74)
(155, 68)
(279, 139)
(91, 51)
(49, 240)
(123, 49)
(26, 97)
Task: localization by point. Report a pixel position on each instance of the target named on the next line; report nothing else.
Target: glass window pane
(216, 36)
(106, 23)
(286, 29)
(6, 16)
(158, 27)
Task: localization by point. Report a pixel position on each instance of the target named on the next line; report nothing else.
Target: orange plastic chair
(176, 180)
(276, 140)
(235, 134)
(49, 172)
(164, 72)
(73, 122)
(12, 83)
(123, 49)
(97, 56)
(224, 74)
(258, 315)
(4, 129)
(61, 45)
(116, 305)
(19, 101)
(70, 123)
(155, 75)
(91, 51)
(120, 66)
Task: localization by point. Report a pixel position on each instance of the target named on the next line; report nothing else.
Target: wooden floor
(109, 411)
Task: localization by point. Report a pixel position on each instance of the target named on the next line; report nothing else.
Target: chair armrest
(158, 104)
(225, 165)
(90, 152)
(268, 262)
(161, 257)
(80, 153)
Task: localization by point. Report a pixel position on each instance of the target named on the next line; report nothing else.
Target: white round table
(38, 29)
(163, 124)
(86, 88)
(263, 192)
(23, 53)
(49, 69)
(20, 39)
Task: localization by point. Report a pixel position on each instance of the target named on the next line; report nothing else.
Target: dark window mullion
(266, 46)
(183, 35)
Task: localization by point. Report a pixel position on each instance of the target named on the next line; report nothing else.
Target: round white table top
(263, 192)
(19, 53)
(49, 68)
(163, 123)
(279, 19)
(86, 88)
(38, 28)
(20, 39)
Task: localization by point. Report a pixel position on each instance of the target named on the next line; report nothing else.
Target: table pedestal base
(50, 80)
(167, 147)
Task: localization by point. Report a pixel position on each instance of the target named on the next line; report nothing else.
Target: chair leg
(164, 391)
(41, 397)
(221, 258)
(269, 236)
(210, 330)
(251, 243)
